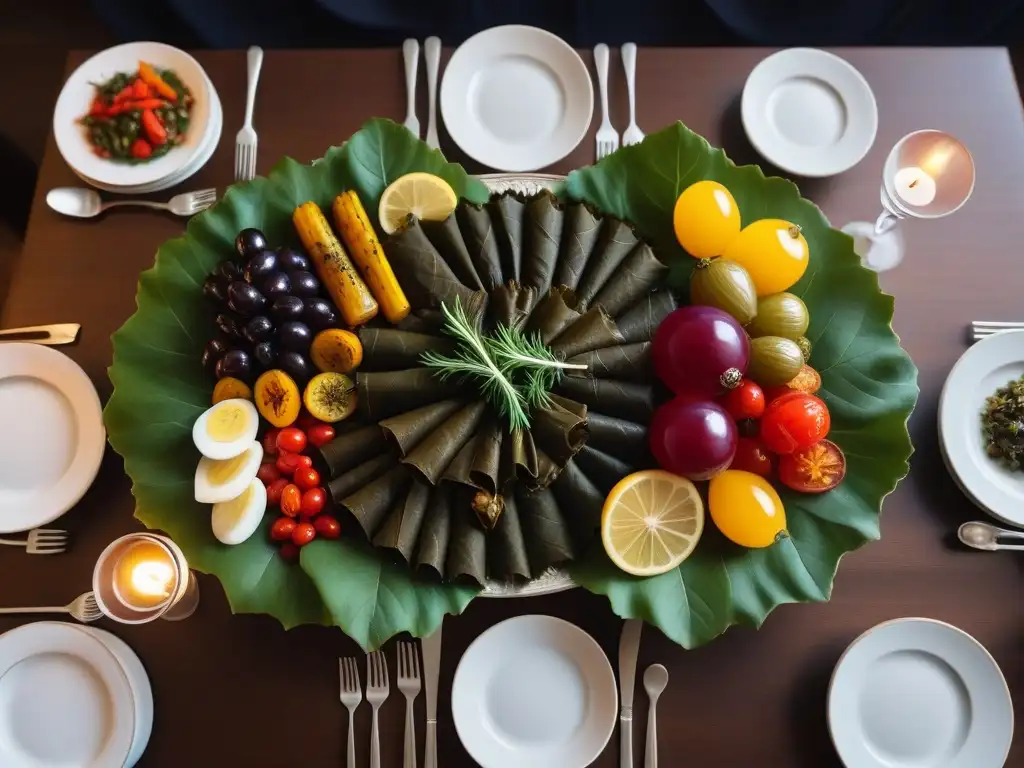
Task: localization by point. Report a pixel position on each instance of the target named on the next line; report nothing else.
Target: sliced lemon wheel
(423, 195)
(651, 522)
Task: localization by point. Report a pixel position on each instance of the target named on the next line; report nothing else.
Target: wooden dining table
(238, 690)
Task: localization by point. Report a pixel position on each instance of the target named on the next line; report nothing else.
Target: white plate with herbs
(991, 364)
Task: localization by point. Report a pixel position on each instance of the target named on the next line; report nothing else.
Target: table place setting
(366, 391)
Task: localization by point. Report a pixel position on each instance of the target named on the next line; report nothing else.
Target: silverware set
(432, 56)
(378, 688)
(655, 682)
(607, 136)
(83, 608)
(41, 541)
(981, 329)
(246, 141)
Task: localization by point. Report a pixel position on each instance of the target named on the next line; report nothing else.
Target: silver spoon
(984, 536)
(86, 203)
(655, 680)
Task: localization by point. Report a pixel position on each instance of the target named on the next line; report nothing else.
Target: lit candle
(145, 576)
(914, 186)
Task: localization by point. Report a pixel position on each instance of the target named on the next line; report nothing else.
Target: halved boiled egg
(236, 520)
(227, 429)
(224, 479)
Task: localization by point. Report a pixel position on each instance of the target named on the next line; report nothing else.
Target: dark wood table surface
(240, 691)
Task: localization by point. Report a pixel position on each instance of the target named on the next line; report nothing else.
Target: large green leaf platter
(869, 384)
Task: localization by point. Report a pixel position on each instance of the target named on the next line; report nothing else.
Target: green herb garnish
(1002, 424)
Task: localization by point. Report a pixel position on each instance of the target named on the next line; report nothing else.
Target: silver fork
(432, 54)
(632, 135)
(607, 137)
(982, 328)
(41, 541)
(376, 692)
(245, 141)
(83, 608)
(351, 696)
(409, 684)
(411, 58)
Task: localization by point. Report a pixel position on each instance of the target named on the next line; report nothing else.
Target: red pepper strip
(141, 149)
(125, 93)
(155, 131)
(129, 106)
(140, 90)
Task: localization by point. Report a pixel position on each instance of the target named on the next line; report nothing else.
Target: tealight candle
(144, 576)
(914, 186)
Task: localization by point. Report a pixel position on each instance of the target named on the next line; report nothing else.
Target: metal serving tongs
(51, 335)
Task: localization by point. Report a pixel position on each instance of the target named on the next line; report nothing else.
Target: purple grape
(295, 336)
(296, 366)
(304, 284)
(212, 352)
(244, 299)
(260, 267)
(292, 261)
(693, 438)
(235, 363)
(277, 284)
(258, 328)
(265, 353)
(700, 351)
(287, 308)
(249, 242)
(319, 314)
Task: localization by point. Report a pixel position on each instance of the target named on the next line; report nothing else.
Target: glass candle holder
(928, 174)
(142, 577)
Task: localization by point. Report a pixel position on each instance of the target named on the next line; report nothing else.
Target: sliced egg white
(224, 479)
(236, 520)
(226, 429)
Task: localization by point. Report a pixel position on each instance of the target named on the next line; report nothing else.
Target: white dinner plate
(53, 435)
(534, 691)
(142, 689)
(516, 98)
(64, 700)
(912, 693)
(206, 151)
(77, 94)
(809, 112)
(985, 367)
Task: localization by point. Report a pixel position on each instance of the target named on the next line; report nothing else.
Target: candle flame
(152, 579)
(937, 160)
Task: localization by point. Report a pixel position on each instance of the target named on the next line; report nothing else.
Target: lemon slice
(424, 195)
(651, 522)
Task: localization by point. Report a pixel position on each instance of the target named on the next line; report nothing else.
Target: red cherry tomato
(774, 393)
(327, 527)
(303, 534)
(745, 401)
(275, 489)
(793, 422)
(291, 500)
(287, 463)
(313, 502)
(752, 456)
(291, 440)
(816, 469)
(289, 551)
(307, 421)
(282, 529)
(306, 478)
(270, 442)
(320, 434)
(268, 473)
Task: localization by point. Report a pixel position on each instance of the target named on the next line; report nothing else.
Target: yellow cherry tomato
(706, 218)
(774, 253)
(746, 508)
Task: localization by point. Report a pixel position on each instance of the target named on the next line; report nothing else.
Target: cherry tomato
(313, 502)
(306, 478)
(303, 534)
(268, 473)
(745, 401)
(746, 508)
(270, 442)
(327, 527)
(752, 456)
(291, 440)
(794, 421)
(774, 393)
(320, 434)
(816, 469)
(291, 500)
(289, 551)
(307, 421)
(282, 529)
(275, 489)
(287, 463)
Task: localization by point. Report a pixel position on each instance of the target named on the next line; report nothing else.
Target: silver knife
(629, 647)
(432, 675)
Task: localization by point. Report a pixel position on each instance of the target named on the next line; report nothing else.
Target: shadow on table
(808, 704)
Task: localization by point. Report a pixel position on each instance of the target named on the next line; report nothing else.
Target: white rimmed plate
(989, 364)
(534, 691)
(77, 94)
(809, 112)
(516, 98)
(917, 692)
(206, 151)
(53, 435)
(64, 700)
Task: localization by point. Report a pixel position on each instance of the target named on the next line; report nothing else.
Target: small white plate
(64, 700)
(809, 112)
(142, 689)
(53, 435)
(534, 691)
(916, 692)
(516, 98)
(985, 367)
(77, 94)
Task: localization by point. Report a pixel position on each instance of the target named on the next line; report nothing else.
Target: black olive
(295, 365)
(260, 267)
(287, 308)
(319, 314)
(229, 325)
(215, 288)
(235, 363)
(266, 354)
(249, 242)
(212, 352)
(304, 284)
(291, 260)
(244, 299)
(229, 270)
(258, 328)
(277, 284)
(295, 336)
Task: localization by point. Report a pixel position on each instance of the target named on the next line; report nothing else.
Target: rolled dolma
(447, 239)
(629, 362)
(507, 212)
(622, 399)
(401, 529)
(542, 237)
(389, 349)
(593, 330)
(436, 451)
(370, 504)
(481, 242)
(635, 277)
(407, 430)
(579, 236)
(615, 242)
